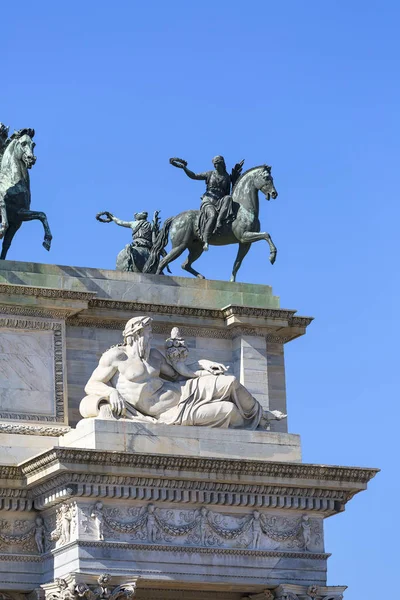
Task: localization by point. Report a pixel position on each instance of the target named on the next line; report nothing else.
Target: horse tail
(158, 247)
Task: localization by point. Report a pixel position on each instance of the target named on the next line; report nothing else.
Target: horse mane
(249, 171)
(18, 134)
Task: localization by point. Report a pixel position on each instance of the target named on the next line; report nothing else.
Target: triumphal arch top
(144, 442)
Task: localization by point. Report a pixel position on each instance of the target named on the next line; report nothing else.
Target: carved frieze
(199, 527)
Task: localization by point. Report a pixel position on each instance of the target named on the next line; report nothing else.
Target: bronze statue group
(228, 212)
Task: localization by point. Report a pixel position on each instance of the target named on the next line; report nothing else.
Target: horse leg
(243, 250)
(252, 236)
(195, 251)
(8, 238)
(172, 255)
(3, 218)
(34, 215)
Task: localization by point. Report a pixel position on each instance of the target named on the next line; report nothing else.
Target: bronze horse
(244, 230)
(15, 190)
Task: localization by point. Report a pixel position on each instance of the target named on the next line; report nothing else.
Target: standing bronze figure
(224, 218)
(15, 190)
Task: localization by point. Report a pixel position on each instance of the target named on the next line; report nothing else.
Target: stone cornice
(216, 466)
(128, 306)
(143, 307)
(277, 325)
(85, 309)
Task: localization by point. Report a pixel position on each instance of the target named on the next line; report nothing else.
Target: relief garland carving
(25, 540)
(202, 527)
(56, 327)
(33, 535)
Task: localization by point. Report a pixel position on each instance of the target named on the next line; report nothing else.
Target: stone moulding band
(21, 558)
(195, 550)
(44, 292)
(27, 429)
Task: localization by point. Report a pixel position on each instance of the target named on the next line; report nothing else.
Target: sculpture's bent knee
(90, 406)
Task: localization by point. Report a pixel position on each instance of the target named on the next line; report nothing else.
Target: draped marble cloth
(209, 401)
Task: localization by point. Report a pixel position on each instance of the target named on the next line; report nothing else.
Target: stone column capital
(72, 587)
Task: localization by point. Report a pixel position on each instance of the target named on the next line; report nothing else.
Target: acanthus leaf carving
(68, 589)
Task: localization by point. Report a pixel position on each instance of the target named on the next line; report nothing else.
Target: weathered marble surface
(119, 285)
(26, 372)
(127, 436)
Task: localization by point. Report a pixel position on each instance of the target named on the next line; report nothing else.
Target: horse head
(264, 182)
(23, 146)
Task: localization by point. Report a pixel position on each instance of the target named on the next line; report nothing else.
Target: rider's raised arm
(192, 175)
(122, 223)
(98, 383)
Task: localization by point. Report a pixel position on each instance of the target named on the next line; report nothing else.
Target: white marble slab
(27, 372)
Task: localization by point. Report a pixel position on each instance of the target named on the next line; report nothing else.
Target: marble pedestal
(126, 436)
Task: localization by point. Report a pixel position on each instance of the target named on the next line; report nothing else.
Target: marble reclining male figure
(138, 382)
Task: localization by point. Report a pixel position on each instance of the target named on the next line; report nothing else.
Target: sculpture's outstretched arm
(122, 223)
(179, 163)
(192, 175)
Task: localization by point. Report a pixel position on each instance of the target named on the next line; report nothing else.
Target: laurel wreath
(178, 162)
(104, 217)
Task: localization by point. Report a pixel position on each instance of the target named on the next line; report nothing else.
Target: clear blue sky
(312, 88)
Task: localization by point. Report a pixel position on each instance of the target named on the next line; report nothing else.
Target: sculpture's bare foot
(232, 279)
(278, 415)
(47, 242)
(200, 276)
(271, 415)
(205, 247)
(272, 257)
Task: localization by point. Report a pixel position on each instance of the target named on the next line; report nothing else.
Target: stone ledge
(127, 436)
